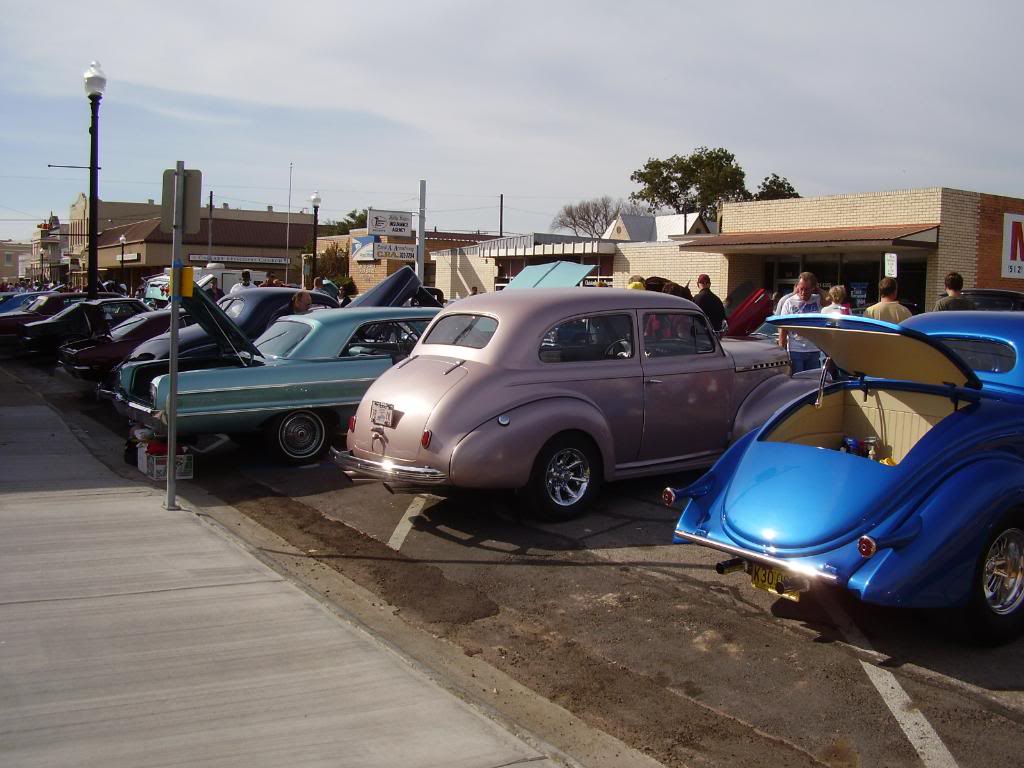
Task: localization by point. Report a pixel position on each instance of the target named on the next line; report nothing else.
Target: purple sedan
(553, 391)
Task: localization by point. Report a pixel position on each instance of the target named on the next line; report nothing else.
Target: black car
(253, 310)
(82, 320)
(994, 299)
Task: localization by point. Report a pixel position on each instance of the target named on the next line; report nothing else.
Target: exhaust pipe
(792, 584)
(731, 566)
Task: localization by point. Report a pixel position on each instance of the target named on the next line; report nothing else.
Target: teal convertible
(299, 380)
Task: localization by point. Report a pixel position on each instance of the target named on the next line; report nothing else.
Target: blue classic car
(902, 481)
(302, 377)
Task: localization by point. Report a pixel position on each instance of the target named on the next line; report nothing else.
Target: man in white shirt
(805, 299)
(245, 283)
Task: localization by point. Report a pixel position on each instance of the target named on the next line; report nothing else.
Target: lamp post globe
(314, 199)
(122, 239)
(95, 84)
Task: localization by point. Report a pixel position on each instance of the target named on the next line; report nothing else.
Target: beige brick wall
(666, 260)
(958, 242)
(915, 206)
(458, 272)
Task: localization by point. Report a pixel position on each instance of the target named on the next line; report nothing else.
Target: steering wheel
(620, 348)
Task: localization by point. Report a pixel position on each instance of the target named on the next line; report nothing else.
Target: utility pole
(288, 226)
(501, 215)
(209, 232)
(421, 230)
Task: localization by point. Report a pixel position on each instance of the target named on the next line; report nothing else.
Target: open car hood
(212, 319)
(881, 350)
(747, 316)
(395, 290)
(558, 274)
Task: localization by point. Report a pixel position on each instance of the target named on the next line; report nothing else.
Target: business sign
(237, 259)
(126, 257)
(362, 248)
(890, 265)
(1013, 245)
(395, 223)
(400, 251)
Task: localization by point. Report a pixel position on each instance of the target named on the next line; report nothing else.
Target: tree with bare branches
(590, 218)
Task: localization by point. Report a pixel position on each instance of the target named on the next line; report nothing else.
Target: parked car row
(900, 478)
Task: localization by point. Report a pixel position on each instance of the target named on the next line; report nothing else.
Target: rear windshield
(983, 355)
(473, 331)
(992, 303)
(280, 338)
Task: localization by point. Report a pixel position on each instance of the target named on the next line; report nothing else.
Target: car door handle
(654, 381)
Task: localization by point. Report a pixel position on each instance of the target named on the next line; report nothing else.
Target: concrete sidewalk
(131, 636)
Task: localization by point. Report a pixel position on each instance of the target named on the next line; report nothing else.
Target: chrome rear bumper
(393, 474)
(775, 562)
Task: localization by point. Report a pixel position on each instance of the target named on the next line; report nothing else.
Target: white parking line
(915, 726)
(405, 524)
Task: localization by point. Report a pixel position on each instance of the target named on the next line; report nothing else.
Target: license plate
(382, 414)
(763, 577)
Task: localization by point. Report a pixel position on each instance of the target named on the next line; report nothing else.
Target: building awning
(850, 238)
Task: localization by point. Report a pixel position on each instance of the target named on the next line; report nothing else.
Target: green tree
(775, 187)
(332, 263)
(354, 219)
(691, 183)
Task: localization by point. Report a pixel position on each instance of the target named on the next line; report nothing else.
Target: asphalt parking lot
(638, 637)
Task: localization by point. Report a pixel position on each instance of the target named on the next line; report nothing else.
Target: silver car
(553, 391)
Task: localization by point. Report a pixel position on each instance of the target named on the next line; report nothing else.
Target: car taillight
(866, 546)
(351, 423)
(425, 438)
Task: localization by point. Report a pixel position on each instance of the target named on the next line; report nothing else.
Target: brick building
(367, 272)
(841, 238)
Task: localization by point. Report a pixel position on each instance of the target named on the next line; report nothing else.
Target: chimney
(270, 209)
(224, 206)
(150, 202)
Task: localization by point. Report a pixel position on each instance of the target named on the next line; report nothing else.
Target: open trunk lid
(866, 347)
(395, 410)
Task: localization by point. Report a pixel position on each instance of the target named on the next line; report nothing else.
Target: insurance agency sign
(1013, 245)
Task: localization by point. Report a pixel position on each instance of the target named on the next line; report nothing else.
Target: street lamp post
(122, 239)
(95, 83)
(315, 200)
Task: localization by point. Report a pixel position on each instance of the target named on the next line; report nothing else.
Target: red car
(47, 305)
(92, 359)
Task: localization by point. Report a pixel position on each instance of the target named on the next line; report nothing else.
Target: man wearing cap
(710, 304)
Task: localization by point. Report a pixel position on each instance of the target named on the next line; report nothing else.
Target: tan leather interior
(897, 419)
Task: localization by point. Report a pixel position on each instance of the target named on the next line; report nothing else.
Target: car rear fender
(766, 398)
(496, 456)
(936, 568)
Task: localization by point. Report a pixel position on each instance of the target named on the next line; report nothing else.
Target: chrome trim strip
(762, 366)
(287, 407)
(775, 562)
(378, 470)
(275, 386)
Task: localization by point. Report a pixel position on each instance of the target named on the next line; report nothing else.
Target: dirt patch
(419, 589)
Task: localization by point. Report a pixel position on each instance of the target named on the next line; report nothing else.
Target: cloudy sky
(546, 102)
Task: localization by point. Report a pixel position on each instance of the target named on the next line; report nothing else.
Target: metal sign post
(181, 220)
(421, 230)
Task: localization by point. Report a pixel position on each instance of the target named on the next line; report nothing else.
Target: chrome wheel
(301, 435)
(567, 476)
(1003, 573)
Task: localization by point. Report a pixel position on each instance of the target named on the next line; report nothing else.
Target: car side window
(596, 337)
(673, 334)
(115, 313)
(387, 337)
